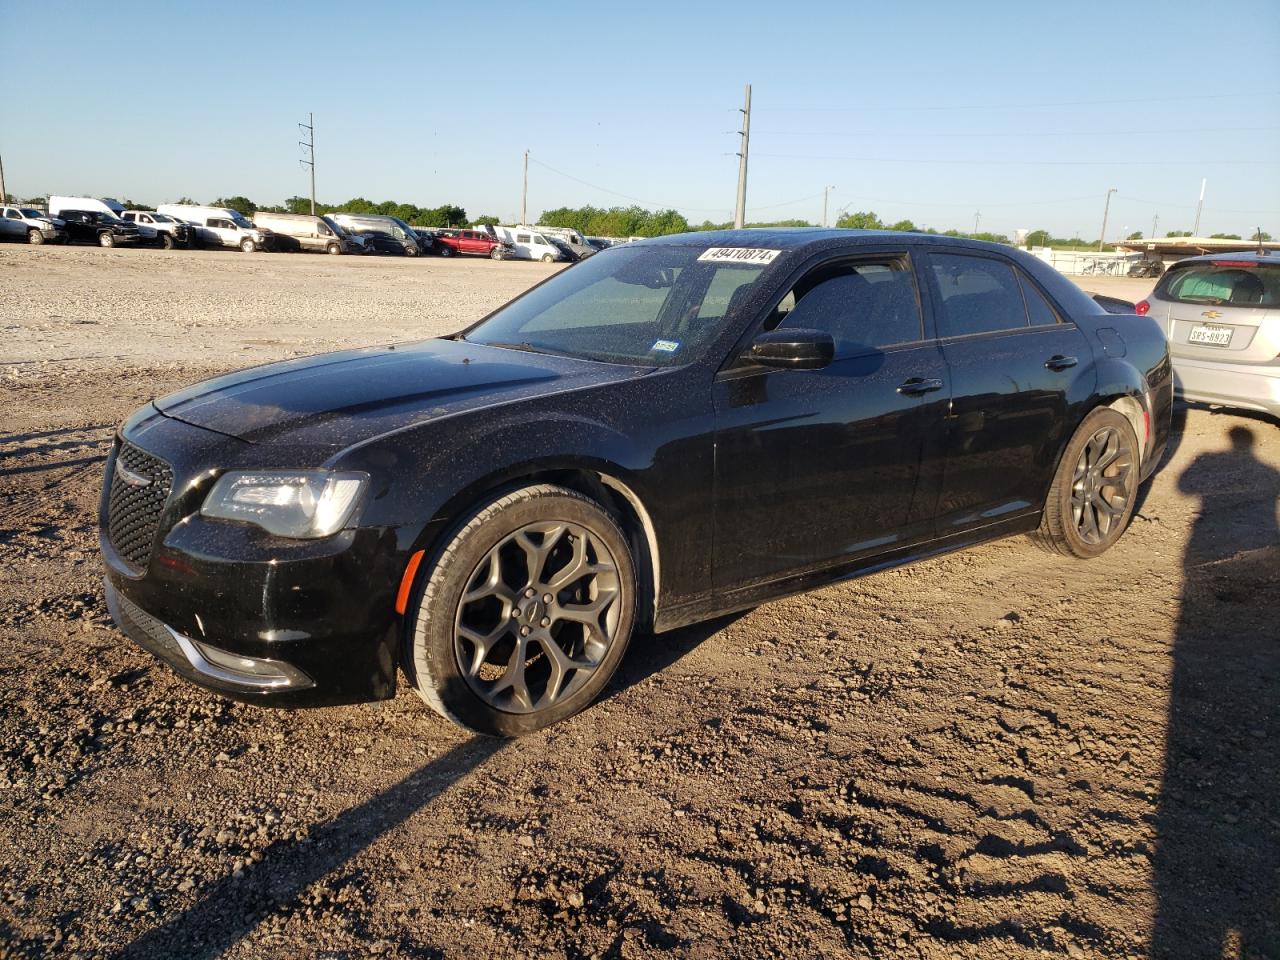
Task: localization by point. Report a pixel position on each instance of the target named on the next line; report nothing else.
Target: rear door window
(976, 295)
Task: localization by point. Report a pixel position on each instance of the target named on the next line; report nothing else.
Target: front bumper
(1247, 386)
(313, 619)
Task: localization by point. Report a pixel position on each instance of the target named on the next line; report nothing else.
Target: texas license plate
(1212, 336)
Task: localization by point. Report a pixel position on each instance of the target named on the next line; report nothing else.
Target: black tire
(495, 253)
(35, 237)
(106, 239)
(333, 249)
(247, 245)
(548, 258)
(410, 251)
(167, 241)
(446, 251)
(512, 703)
(1085, 514)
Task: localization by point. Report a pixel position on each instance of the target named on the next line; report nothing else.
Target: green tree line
(630, 221)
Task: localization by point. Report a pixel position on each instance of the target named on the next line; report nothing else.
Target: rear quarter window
(1223, 282)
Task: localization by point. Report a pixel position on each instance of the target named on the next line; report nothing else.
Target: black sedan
(375, 241)
(668, 431)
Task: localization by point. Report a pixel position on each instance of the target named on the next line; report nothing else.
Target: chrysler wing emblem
(1212, 314)
(131, 478)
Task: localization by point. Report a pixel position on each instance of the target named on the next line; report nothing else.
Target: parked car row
(107, 223)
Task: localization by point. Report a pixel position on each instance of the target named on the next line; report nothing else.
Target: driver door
(818, 467)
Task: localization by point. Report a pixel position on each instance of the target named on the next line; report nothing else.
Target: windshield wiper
(523, 345)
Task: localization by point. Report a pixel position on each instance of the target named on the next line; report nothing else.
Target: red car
(449, 242)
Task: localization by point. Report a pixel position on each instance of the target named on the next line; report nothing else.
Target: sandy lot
(992, 754)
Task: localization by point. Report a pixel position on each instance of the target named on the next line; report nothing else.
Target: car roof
(801, 238)
(1242, 256)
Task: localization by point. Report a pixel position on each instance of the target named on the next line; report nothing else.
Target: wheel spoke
(536, 553)
(492, 585)
(481, 643)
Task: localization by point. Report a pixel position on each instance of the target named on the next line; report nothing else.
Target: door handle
(1060, 362)
(916, 386)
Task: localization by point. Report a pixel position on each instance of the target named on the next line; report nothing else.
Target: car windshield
(1233, 282)
(29, 212)
(241, 222)
(652, 306)
(160, 218)
(408, 230)
(333, 225)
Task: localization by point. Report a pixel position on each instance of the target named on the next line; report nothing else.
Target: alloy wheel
(1102, 485)
(538, 616)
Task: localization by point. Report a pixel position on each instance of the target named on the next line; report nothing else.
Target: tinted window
(862, 306)
(976, 295)
(1038, 308)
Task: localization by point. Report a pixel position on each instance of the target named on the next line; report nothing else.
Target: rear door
(1223, 310)
(1019, 371)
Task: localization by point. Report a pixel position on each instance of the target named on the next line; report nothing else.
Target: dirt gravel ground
(997, 753)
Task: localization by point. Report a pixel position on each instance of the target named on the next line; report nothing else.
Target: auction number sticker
(737, 255)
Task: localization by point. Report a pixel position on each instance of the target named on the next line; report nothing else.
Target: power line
(1016, 133)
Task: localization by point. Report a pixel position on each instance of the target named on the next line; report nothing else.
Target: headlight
(302, 505)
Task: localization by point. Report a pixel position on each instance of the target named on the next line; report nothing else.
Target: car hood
(338, 399)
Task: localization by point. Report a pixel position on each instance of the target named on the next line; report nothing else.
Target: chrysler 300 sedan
(672, 430)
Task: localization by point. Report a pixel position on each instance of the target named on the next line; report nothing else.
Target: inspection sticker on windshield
(737, 255)
(666, 346)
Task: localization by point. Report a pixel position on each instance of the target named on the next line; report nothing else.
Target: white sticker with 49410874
(737, 255)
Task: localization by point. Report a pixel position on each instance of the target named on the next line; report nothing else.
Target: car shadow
(229, 908)
(1217, 858)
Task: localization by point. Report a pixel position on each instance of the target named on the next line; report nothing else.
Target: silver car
(1221, 314)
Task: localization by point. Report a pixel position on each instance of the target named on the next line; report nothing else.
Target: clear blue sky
(932, 111)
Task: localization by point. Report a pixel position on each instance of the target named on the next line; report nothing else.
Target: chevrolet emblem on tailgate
(1212, 314)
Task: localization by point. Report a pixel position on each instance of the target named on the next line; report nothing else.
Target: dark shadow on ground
(1217, 863)
(228, 909)
(653, 653)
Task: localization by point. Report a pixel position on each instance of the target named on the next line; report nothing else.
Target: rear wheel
(526, 614)
(105, 239)
(35, 237)
(1092, 497)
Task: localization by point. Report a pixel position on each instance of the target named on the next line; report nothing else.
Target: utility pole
(1106, 209)
(310, 145)
(1155, 222)
(977, 217)
(524, 195)
(825, 191)
(4, 194)
(740, 212)
(1195, 231)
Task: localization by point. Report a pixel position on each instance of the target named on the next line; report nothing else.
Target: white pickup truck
(220, 226)
(170, 231)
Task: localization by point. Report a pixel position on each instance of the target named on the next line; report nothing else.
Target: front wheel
(1093, 493)
(548, 258)
(495, 253)
(525, 615)
(167, 241)
(35, 237)
(446, 251)
(247, 245)
(333, 249)
(105, 239)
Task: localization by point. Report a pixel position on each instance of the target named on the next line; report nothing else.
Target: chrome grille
(140, 486)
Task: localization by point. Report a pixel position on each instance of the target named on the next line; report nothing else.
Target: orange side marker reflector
(406, 582)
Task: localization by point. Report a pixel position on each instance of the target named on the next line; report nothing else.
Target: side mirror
(793, 349)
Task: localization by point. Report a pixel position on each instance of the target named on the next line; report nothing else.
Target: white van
(219, 225)
(529, 244)
(576, 241)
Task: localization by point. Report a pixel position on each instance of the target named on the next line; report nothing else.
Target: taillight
(1142, 308)
(1233, 263)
